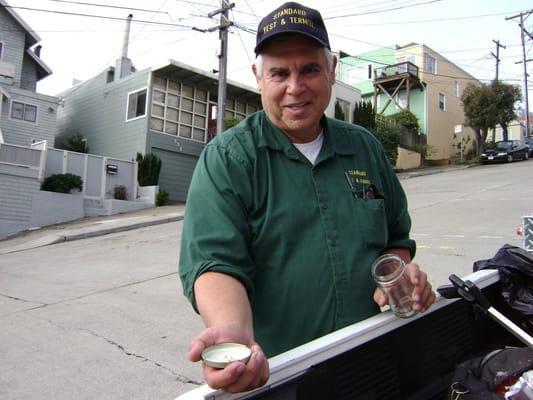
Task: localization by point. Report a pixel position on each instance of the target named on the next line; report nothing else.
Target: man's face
(295, 86)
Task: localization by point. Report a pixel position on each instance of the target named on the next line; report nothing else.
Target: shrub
(406, 118)
(120, 192)
(148, 170)
(75, 143)
(161, 198)
(231, 122)
(62, 183)
(389, 136)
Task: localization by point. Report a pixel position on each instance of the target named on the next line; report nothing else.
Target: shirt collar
(335, 141)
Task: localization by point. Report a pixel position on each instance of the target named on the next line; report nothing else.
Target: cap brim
(265, 41)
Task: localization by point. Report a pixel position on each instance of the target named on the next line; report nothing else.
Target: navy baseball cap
(291, 18)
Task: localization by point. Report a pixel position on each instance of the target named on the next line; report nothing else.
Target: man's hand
(237, 376)
(423, 295)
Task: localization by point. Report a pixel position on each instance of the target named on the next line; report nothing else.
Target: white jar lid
(222, 354)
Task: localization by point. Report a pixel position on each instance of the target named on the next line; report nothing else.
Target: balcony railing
(390, 71)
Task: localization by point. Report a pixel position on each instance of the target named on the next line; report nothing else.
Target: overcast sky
(80, 46)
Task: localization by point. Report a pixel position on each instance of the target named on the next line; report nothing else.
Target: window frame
(443, 102)
(2, 50)
(145, 89)
(23, 119)
(432, 70)
(345, 107)
(401, 97)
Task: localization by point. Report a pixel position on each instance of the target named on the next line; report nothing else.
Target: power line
(106, 6)
(106, 17)
(381, 11)
(434, 20)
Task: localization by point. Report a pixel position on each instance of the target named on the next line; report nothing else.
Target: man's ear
(254, 70)
(333, 69)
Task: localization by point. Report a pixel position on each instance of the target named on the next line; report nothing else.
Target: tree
(507, 97)
(364, 115)
(481, 113)
(339, 114)
(149, 167)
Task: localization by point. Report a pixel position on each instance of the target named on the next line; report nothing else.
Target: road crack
(179, 377)
(23, 300)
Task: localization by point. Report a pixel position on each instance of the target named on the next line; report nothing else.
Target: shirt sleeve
(398, 219)
(216, 234)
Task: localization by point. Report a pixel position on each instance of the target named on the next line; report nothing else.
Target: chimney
(37, 50)
(126, 37)
(124, 64)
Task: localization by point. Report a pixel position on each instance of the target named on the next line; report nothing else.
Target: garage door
(176, 172)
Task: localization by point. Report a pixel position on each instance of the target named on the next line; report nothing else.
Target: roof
(209, 81)
(413, 44)
(43, 70)
(31, 37)
(4, 92)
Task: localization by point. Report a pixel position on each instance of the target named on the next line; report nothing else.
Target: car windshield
(504, 145)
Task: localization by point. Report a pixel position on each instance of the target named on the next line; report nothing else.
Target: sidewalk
(431, 170)
(98, 226)
(91, 227)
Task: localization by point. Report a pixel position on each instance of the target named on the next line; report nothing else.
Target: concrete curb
(421, 172)
(88, 233)
(107, 231)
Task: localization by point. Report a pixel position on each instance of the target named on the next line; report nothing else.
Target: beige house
(515, 131)
(415, 78)
(443, 83)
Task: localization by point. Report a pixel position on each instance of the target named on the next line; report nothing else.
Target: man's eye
(309, 69)
(278, 74)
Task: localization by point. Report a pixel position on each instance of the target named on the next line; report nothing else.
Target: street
(104, 318)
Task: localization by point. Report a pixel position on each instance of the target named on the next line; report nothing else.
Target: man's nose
(295, 85)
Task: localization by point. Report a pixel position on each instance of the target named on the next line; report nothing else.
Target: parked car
(506, 151)
(529, 142)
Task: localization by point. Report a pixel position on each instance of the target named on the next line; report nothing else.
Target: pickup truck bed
(384, 357)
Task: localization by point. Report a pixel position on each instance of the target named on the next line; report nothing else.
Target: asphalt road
(104, 318)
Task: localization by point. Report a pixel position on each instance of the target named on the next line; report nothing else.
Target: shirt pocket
(371, 213)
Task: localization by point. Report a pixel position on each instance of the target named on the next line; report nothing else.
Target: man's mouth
(297, 106)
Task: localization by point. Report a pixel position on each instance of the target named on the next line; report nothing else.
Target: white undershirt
(311, 149)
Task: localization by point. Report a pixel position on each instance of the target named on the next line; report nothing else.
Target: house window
(442, 102)
(430, 64)
(344, 107)
(401, 98)
(178, 109)
(358, 74)
(23, 112)
(1, 50)
(238, 110)
(136, 104)
(456, 89)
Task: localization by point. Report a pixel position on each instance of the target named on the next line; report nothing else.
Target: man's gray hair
(327, 53)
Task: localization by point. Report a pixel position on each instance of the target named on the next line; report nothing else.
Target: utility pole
(497, 56)
(522, 31)
(225, 23)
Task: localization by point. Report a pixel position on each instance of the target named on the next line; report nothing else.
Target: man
(287, 211)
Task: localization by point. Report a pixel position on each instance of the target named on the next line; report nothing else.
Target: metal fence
(100, 175)
(20, 155)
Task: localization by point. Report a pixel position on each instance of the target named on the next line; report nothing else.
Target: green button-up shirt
(300, 237)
